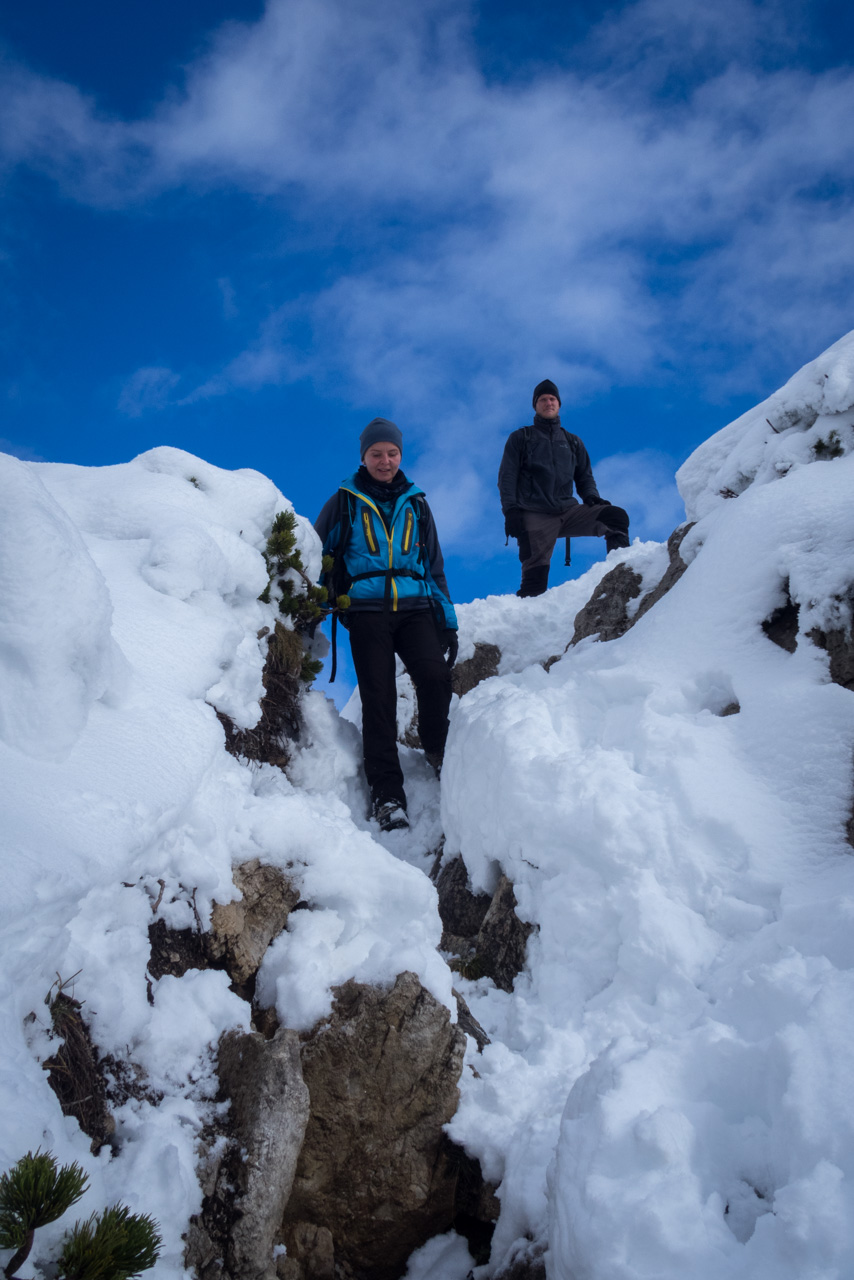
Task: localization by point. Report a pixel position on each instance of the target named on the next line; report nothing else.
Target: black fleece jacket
(541, 463)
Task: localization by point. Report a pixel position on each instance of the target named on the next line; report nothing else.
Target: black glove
(514, 523)
(593, 500)
(450, 645)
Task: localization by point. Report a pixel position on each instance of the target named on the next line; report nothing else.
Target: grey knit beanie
(380, 430)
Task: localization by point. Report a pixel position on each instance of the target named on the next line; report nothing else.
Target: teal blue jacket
(392, 560)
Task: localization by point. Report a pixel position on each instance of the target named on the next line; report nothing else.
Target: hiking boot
(434, 759)
(390, 815)
(534, 581)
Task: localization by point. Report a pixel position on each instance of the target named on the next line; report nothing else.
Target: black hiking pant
(578, 521)
(375, 639)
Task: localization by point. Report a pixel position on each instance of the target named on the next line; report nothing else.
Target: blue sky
(246, 229)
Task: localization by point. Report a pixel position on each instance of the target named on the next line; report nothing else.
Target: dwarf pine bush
(306, 606)
(114, 1245)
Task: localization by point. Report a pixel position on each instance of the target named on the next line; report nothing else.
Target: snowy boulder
(810, 419)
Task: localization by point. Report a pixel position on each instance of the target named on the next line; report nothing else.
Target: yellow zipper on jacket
(389, 533)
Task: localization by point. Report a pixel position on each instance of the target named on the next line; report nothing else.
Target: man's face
(382, 461)
(547, 406)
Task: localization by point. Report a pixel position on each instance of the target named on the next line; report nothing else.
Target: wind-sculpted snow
(56, 653)
(667, 1089)
(810, 418)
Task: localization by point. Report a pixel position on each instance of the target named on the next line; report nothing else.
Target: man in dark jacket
(380, 529)
(540, 466)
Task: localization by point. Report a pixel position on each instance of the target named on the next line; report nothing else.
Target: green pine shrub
(114, 1245)
(304, 606)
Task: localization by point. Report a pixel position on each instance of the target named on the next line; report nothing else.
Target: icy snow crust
(668, 1088)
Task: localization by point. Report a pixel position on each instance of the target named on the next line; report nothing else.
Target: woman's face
(382, 461)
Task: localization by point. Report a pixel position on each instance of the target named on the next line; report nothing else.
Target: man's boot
(534, 581)
(617, 521)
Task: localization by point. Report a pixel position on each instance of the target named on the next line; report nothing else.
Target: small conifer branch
(115, 1245)
(32, 1194)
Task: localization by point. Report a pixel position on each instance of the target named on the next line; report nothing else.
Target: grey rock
(606, 612)
(247, 1183)
(483, 664)
(672, 574)
(503, 938)
(469, 1023)
(782, 625)
(241, 931)
(376, 1168)
(462, 912)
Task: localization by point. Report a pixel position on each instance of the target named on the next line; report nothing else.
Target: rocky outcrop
(503, 938)
(483, 664)
(485, 932)
(241, 931)
(462, 912)
(606, 613)
(672, 573)
(247, 1182)
(280, 713)
(782, 625)
(375, 1169)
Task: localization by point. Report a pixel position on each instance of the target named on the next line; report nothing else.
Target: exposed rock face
(280, 714)
(241, 931)
(484, 932)
(503, 938)
(606, 613)
(672, 574)
(375, 1167)
(782, 625)
(481, 666)
(247, 1185)
(462, 911)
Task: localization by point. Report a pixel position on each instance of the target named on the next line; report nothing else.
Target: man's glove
(450, 646)
(593, 500)
(514, 523)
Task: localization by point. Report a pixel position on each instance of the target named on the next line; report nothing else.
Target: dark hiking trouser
(578, 521)
(375, 638)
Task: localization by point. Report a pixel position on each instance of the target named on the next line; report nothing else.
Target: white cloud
(662, 193)
(148, 389)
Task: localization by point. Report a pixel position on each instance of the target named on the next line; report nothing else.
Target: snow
(668, 1088)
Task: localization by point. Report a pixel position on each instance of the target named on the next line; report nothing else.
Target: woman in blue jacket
(380, 530)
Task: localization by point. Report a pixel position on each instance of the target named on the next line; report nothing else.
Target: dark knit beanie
(545, 388)
(379, 431)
